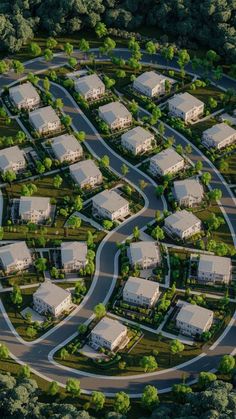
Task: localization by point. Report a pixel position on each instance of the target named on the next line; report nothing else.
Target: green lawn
(202, 126)
(204, 93)
(23, 278)
(230, 173)
(9, 130)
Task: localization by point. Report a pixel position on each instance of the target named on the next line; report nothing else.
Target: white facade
(45, 120)
(50, 298)
(115, 115)
(219, 136)
(90, 87)
(186, 106)
(182, 224)
(73, 256)
(144, 254)
(151, 84)
(167, 162)
(24, 96)
(193, 320)
(110, 205)
(213, 269)
(137, 140)
(34, 209)
(12, 158)
(188, 192)
(66, 148)
(140, 291)
(86, 174)
(108, 333)
(15, 257)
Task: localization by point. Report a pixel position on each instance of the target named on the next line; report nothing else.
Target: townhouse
(45, 120)
(34, 209)
(141, 292)
(151, 84)
(188, 192)
(214, 269)
(182, 224)
(137, 140)
(144, 254)
(115, 115)
(219, 136)
(109, 334)
(193, 320)
(15, 257)
(12, 158)
(186, 107)
(90, 87)
(51, 299)
(167, 162)
(24, 96)
(66, 148)
(86, 174)
(110, 205)
(73, 256)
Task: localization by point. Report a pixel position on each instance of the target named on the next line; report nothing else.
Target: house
(73, 255)
(15, 257)
(193, 320)
(110, 205)
(49, 298)
(90, 87)
(137, 140)
(186, 107)
(86, 174)
(167, 162)
(188, 192)
(151, 84)
(34, 209)
(24, 96)
(115, 115)
(66, 148)
(109, 334)
(145, 255)
(141, 292)
(219, 136)
(12, 158)
(45, 120)
(213, 269)
(182, 224)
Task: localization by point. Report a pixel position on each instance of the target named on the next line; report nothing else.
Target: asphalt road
(36, 356)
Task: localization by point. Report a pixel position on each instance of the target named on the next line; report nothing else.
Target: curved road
(36, 355)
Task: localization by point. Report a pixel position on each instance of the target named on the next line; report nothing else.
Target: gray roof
(109, 329)
(51, 294)
(185, 102)
(166, 158)
(137, 136)
(11, 253)
(87, 83)
(24, 91)
(188, 187)
(33, 203)
(182, 220)
(220, 132)
(109, 200)
(84, 170)
(140, 286)
(144, 249)
(214, 264)
(194, 315)
(63, 144)
(151, 79)
(72, 251)
(9, 156)
(114, 110)
(41, 117)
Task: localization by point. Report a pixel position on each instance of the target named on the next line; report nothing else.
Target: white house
(66, 148)
(45, 120)
(167, 162)
(12, 158)
(140, 291)
(219, 136)
(86, 174)
(34, 209)
(193, 320)
(49, 298)
(151, 83)
(137, 140)
(213, 269)
(144, 254)
(182, 224)
(110, 205)
(90, 87)
(24, 96)
(109, 334)
(73, 255)
(188, 192)
(15, 257)
(115, 115)
(186, 106)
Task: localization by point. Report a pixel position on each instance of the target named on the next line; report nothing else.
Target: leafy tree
(58, 103)
(107, 224)
(4, 351)
(35, 49)
(206, 178)
(31, 332)
(57, 181)
(181, 391)
(150, 47)
(215, 194)
(124, 169)
(226, 365)
(198, 166)
(74, 221)
(41, 264)
(48, 54)
(99, 310)
(206, 378)
(16, 296)
(9, 176)
(136, 233)
(148, 363)
(47, 163)
(183, 58)
(158, 233)
(24, 372)
(68, 48)
(84, 46)
(80, 135)
(97, 400)
(73, 386)
(66, 120)
(150, 397)
(101, 29)
(51, 43)
(121, 402)
(18, 67)
(72, 62)
(53, 388)
(78, 203)
(108, 46)
(46, 84)
(105, 161)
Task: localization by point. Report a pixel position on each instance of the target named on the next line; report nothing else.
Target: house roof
(11, 253)
(109, 329)
(9, 156)
(41, 117)
(214, 264)
(185, 102)
(219, 132)
(114, 110)
(137, 136)
(51, 294)
(73, 251)
(194, 315)
(63, 144)
(150, 79)
(84, 170)
(109, 200)
(33, 204)
(141, 287)
(166, 158)
(188, 187)
(24, 91)
(87, 83)
(182, 220)
(144, 250)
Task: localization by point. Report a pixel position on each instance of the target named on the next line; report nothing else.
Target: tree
(198, 166)
(142, 184)
(24, 372)
(98, 400)
(212, 56)
(41, 264)
(183, 58)
(105, 161)
(121, 402)
(58, 103)
(31, 332)
(66, 120)
(214, 194)
(213, 222)
(4, 351)
(109, 83)
(133, 107)
(108, 46)
(73, 386)
(181, 391)
(78, 203)
(124, 169)
(80, 135)
(57, 181)
(136, 233)
(150, 47)
(176, 347)
(206, 378)
(99, 310)
(35, 49)
(47, 163)
(224, 166)
(90, 241)
(150, 397)
(148, 363)
(16, 296)
(121, 74)
(72, 62)
(84, 46)
(48, 54)
(9, 176)
(107, 224)
(168, 53)
(101, 29)
(53, 388)
(74, 222)
(51, 43)
(188, 149)
(68, 48)
(40, 167)
(46, 84)
(206, 178)
(18, 67)
(227, 363)
(158, 233)
(212, 103)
